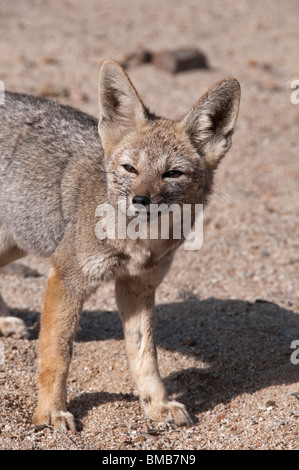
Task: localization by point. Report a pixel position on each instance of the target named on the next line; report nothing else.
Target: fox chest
(133, 260)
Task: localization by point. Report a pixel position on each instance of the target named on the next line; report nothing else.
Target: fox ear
(121, 109)
(210, 123)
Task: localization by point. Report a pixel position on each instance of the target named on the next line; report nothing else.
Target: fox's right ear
(121, 109)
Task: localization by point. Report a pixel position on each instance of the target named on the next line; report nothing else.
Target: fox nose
(145, 201)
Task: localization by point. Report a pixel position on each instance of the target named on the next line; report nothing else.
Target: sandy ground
(227, 314)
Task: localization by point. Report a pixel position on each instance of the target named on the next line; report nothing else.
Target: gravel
(227, 314)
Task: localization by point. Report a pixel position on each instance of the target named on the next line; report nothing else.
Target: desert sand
(226, 314)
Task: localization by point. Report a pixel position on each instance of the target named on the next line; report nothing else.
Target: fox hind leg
(9, 325)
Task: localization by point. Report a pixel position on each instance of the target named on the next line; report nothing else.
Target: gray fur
(42, 145)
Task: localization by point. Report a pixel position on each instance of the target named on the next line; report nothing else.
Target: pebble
(172, 61)
(180, 60)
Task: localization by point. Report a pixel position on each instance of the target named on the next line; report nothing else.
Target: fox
(57, 165)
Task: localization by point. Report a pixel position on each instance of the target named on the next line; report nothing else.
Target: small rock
(153, 431)
(187, 294)
(139, 57)
(270, 404)
(146, 436)
(127, 442)
(295, 395)
(40, 427)
(247, 274)
(180, 60)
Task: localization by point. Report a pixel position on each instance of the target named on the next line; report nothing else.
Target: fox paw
(13, 326)
(61, 420)
(169, 412)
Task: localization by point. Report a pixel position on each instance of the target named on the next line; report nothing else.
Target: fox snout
(142, 191)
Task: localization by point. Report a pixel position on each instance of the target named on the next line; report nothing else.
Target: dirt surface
(227, 314)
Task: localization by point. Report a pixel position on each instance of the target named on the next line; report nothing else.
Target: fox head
(153, 160)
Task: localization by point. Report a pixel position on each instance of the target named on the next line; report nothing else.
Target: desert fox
(57, 165)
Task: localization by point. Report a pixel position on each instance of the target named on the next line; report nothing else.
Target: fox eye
(130, 169)
(172, 174)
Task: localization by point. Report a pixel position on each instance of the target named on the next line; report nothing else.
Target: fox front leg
(137, 310)
(59, 319)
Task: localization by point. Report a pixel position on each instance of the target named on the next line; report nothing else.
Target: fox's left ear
(210, 123)
(121, 109)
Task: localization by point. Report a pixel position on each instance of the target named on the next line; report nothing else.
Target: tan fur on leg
(58, 326)
(136, 308)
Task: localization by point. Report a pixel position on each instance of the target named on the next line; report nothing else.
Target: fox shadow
(241, 347)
